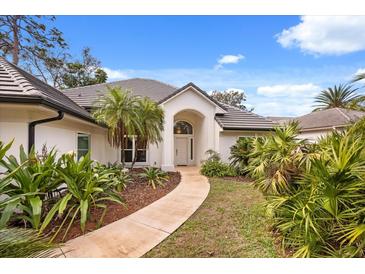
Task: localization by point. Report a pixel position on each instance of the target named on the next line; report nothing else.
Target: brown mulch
(137, 195)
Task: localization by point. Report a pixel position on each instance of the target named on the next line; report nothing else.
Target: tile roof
(17, 85)
(329, 118)
(238, 119)
(155, 90)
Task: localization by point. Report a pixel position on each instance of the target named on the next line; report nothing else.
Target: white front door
(181, 151)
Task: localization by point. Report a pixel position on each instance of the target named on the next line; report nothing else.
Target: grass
(230, 223)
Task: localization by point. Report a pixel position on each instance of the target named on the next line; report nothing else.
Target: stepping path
(139, 232)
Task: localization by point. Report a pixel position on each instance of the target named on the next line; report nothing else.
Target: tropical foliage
(154, 176)
(341, 96)
(239, 154)
(85, 189)
(23, 243)
(314, 192)
(128, 115)
(39, 190)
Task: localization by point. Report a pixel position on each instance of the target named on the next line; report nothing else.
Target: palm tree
(151, 121)
(276, 159)
(119, 111)
(342, 96)
(358, 77)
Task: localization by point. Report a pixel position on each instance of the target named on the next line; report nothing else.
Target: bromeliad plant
(34, 182)
(154, 176)
(85, 189)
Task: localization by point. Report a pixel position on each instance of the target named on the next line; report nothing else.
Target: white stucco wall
(62, 134)
(314, 135)
(228, 138)
(188, 100)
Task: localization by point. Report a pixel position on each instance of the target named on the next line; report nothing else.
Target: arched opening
(187, 137)
(183, 127)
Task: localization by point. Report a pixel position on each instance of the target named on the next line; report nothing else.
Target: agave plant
(85, 189)
(155, 176)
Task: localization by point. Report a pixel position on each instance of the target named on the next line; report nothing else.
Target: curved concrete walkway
(139, 232)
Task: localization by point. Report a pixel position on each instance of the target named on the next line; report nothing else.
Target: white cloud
(308, 90)
(209, 79)
(228, 59)
(359, 71)
(115, 74)
(286, 108)
(326, 35)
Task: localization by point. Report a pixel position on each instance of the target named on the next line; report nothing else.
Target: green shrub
(240, 152)
(155, 176)
(85, 189)
(320, 211)
(214, 168)
(119, 176)
(34, 182)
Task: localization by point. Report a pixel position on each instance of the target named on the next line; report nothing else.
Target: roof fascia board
(186, 88)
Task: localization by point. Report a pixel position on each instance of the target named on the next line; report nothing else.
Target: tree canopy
(232, 97)
(86, 72)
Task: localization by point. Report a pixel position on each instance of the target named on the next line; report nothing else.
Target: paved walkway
(139, 232)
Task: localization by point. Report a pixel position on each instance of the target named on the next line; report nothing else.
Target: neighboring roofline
(116, 81)
(322, 128)
(191, 84)
(247, 129)
(22, 99)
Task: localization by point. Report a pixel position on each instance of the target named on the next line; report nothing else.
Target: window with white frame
(83, 144)
(135, 148)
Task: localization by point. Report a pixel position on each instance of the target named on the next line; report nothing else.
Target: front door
(181, 151)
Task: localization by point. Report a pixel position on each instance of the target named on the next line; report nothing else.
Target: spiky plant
(23, 243)
(154, 176)
(276, 159)
(240, 154)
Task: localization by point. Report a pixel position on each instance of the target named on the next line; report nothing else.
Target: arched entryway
(187, 137)
(184, 143)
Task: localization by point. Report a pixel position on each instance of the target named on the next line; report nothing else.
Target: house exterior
(317, 124)
(32, 112)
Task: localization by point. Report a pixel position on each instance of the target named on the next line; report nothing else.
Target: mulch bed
(137, 195)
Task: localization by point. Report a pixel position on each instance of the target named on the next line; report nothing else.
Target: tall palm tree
(342, 96)
(119, 111)
(151, 121)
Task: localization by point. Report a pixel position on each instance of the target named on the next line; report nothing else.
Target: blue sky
(281, 62)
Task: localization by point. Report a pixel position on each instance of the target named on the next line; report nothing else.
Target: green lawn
(230, 223)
